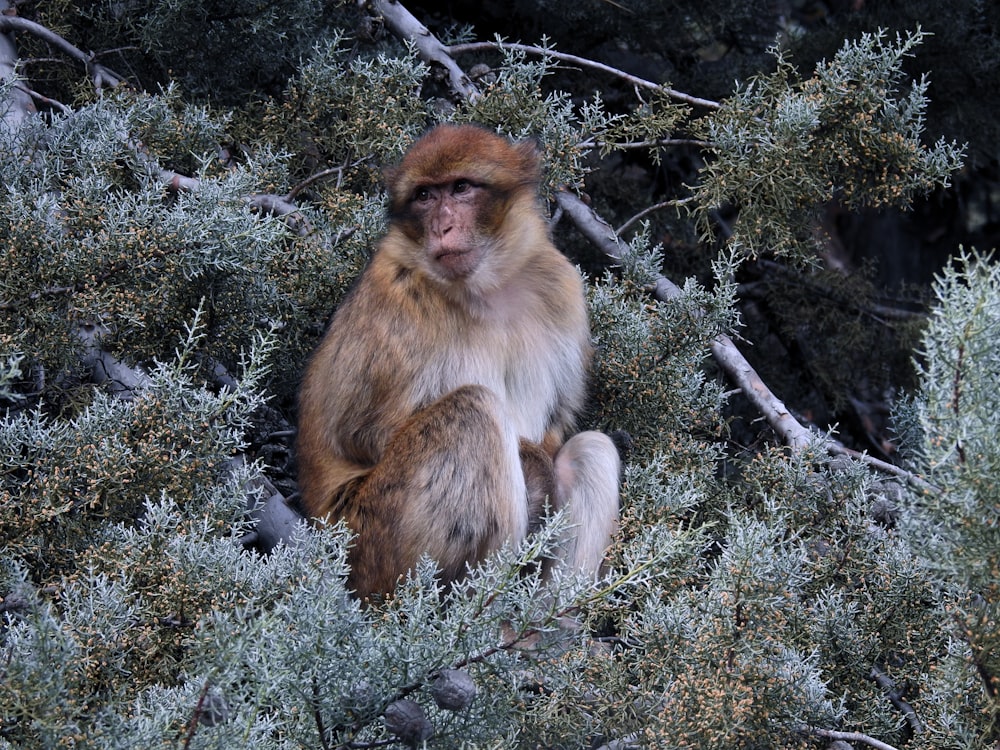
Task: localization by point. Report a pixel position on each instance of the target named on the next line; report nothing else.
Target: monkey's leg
(540, 482)
(449, 484)
(587, 470)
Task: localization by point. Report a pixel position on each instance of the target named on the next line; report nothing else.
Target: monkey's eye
(461, 186)
(421, 195)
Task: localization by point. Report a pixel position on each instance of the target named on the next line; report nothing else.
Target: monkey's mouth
(456, 261)
(451, 253)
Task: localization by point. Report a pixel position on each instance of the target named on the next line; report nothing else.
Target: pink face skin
(450, 213)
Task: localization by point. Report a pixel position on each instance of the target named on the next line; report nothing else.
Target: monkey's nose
(443, 224)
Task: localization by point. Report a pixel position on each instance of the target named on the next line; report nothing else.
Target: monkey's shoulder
(556, 288)
(393, 285)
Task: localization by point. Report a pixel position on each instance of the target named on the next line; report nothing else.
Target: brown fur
(461, 351)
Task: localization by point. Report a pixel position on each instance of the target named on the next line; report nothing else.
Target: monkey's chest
(532, 378)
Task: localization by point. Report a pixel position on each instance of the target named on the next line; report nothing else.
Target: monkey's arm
(352, 399)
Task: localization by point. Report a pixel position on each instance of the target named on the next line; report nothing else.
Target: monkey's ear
(391, 177)
(390, 174)
(529, 151)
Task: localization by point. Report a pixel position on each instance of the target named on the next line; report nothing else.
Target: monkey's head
(455, 196)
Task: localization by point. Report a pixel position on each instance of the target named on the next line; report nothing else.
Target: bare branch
(101, 75)
(658, 143)
(887, 684)
(839, 449)
(284, 209)
(44, 99)
(322, 175)
(728, 356)
(121, 379)
(650, 209)
(735, 365)
(265, 203)
(831, 734)
(174, 181)
(583, 62)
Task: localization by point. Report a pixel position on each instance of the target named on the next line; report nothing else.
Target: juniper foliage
(852, 132)
(951, 424)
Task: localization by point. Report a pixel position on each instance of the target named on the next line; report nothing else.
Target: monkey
(435, 415)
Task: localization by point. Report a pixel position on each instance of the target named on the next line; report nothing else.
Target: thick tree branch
(18, 105)
(730, 359)
(403, 25)
(727, 355)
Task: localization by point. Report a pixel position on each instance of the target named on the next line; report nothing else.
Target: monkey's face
(452, 222)
(455, 198)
